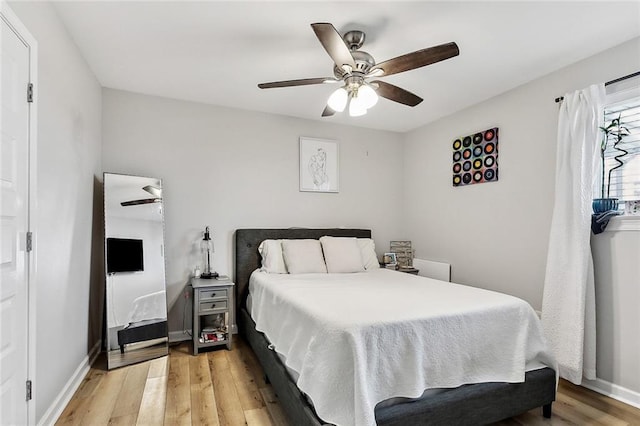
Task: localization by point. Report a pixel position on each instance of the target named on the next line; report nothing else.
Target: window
(624, 181)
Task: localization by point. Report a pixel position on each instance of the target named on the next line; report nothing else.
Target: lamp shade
(338, 100)
(356, 107)
(367, 96)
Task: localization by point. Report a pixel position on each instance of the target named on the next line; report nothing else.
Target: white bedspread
(358, 339)
(148, 307)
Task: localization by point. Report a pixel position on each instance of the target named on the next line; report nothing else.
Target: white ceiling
(217, 52)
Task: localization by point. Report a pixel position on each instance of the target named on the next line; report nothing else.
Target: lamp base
(209, 275)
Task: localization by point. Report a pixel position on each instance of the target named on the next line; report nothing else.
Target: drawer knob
(213, 295)
(213, 305)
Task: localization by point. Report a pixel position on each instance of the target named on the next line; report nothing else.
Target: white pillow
(303, 256)
(342, 254)
(368, 252)
(272, 260)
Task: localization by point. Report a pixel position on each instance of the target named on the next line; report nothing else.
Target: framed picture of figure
(319, 165)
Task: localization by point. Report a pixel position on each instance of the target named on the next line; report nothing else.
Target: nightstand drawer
(213, 294)
(214, 305)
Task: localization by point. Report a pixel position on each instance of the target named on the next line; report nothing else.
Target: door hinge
(29, 390)
(30, 92)
(29, 241)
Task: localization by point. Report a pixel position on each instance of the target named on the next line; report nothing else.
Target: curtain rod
(626, 77)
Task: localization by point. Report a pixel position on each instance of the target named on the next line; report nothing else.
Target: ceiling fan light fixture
(338, 99)
(352, 67)
(367, 96)
(356, 107)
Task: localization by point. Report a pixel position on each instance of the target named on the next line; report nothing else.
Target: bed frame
(141, 331)
(474, 404)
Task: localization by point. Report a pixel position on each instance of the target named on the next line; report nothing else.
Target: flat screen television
(124, 255)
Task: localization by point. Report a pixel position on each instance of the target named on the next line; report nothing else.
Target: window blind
(625, 181)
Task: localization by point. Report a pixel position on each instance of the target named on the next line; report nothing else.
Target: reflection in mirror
(136, 303)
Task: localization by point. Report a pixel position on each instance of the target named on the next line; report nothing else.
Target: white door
(14, 221)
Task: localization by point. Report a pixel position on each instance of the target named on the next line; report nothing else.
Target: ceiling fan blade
(328, 112)
(299, 82)
(396, 94)
(416, 59)
(153, 190)
(334, 45)
(139, 202)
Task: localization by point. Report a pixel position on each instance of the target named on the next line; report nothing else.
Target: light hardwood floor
(223, 387)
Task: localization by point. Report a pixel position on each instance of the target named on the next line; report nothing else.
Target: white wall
(617, 272)
(234, 169)
(68, 305)
(495, 235)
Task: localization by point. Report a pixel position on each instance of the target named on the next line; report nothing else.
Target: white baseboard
(55, 409)
(614, 391)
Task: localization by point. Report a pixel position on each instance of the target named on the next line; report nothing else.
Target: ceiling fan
(153, 190)
(356, 67)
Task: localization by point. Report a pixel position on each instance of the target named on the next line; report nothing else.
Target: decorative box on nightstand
(213, 312)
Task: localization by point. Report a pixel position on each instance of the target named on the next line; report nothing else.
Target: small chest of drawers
(213, 313)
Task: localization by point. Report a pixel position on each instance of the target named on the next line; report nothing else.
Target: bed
(473, 404)
(147, 320)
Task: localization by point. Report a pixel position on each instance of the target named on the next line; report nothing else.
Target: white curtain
(568, 305)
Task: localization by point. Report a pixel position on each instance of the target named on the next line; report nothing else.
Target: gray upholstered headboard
(248, 259)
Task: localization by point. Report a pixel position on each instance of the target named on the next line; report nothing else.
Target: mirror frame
(144, 333)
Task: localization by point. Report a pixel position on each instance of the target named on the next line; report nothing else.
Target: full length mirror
(136, 302)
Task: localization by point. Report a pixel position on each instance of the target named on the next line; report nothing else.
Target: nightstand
(409, 270)
(213, 313)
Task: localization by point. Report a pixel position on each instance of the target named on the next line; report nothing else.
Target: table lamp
(207, 251)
